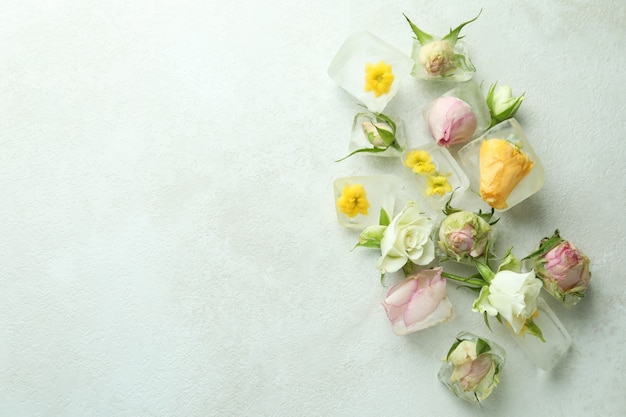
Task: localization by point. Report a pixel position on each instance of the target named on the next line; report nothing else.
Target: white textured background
(169, 242)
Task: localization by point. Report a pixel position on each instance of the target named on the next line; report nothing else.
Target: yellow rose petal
(502, 167)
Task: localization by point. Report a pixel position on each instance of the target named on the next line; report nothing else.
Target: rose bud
(437, 57)
(464, 235)
(502, 167)
(564, 270)
(472, 367)
(502, 105)
(451, 121)
(418, 302)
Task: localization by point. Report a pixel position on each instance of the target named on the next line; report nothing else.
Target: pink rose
(567, 265)
(418, 302)
(564, 270)
(451, 121)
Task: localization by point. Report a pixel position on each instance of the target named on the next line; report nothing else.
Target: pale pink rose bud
(418, 302)
(564, 270)
(437, 58)
(451, 121)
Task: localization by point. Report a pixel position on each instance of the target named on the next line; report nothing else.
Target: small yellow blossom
(378, 78)
(353, 200)
(438, 184)
(420, 162)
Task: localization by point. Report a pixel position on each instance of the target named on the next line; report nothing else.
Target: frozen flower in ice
(438, 184)
(441, 59)
(420, 162)
(502, 105)
(464, 235)
(378, 78)
(451, 121)
(563, 268)
(472, 367)
(437, 58)
(503, 166)
(353, 200)
(418, 302)
(512, 295)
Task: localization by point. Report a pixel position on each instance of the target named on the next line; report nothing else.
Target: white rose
(514, 295)
(406, 238)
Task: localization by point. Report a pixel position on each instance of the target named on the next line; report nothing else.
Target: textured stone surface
(169, 241)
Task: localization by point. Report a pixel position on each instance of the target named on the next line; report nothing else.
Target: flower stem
(471, 281)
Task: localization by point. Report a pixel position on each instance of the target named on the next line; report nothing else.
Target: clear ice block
(379, 191)
(348, 68)
(367, 123)
(557, 341)
(464, 384)
(512, 132)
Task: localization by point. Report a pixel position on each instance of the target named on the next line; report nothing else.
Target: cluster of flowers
(411, 239)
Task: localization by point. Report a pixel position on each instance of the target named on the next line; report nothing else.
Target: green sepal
(482, 346)
(486, 319)
(371, 237)
(533, 329)
(546, 245)
(367, 150)
(485, 272)
(448, 209)
(383, 220)
(383, 118)
(388, 137)
(510, 262)
(408, 268)
(453, 36)
(461, 61)
(488, 216)
(422, 37)
(382, 279)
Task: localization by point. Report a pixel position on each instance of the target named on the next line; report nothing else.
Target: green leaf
(367, 150)
(533, 329)
(546, 245)
(383, 220)
(484, 271)
(454, 346)
(482, 346)
(453, 36)
(422, 37)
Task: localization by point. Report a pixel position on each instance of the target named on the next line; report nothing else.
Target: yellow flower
(438, 184)
(378, 78)
(353, 200)
(420, 162)
(502, 166)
